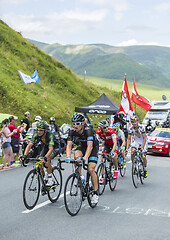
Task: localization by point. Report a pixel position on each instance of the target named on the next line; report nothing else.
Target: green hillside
(59, 91)
(149, 64)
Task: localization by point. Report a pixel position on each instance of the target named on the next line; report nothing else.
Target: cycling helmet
(78, 117)
(38, 118)
(116, 126)
(42, 125)
(103, 124)
(52, 119)
(107, 118)
(134, 118)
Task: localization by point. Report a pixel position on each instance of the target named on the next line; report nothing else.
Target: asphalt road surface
(126, 213)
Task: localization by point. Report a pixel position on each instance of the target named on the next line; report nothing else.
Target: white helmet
(38, 118)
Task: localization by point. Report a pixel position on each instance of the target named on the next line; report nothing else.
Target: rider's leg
(115, 160)
(78, 154)
(132, 154)
(144, 160)
(91, 169)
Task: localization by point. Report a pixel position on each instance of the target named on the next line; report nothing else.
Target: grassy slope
(59, 92)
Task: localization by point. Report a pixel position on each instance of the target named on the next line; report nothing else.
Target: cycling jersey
(120, 134)
(108, 137)
(81, 141)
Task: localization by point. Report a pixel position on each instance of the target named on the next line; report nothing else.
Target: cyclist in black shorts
(87, 147)
(49, 151)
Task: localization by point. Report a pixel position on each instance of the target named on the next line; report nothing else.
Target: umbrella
(4, 116)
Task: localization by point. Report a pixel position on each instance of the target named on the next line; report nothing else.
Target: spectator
(108, 120)
(15, 138)
(54, 128)
(37, 119)
(6, 144)
(26, 120)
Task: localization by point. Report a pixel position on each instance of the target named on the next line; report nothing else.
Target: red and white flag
(125, 105)
(140, 100)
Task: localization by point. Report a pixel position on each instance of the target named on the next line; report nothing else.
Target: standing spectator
(37, 119)
(26, 120)
(54, 128)
(15, 138)
(6, 144)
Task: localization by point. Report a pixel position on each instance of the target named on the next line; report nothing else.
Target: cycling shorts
(136, 145)
(108, 148)
(94, 153)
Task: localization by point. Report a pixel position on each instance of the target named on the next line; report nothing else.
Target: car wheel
(168, 152)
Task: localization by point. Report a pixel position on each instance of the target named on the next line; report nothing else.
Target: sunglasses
(40, 129)
(104, 127)
(76, 123)
(134, 121)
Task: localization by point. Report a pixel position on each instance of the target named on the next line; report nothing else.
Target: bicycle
(121, 164)
(137, 168)
(106, 171)
(31, 188)
(76, 190)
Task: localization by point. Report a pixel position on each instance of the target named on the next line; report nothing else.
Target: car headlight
(161, 143)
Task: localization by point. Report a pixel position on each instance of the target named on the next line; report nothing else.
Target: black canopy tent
(103, 105)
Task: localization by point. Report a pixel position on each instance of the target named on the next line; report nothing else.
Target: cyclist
(138, 136)
(109, 142)
(48, 152)
(120, 138)
(87, 147)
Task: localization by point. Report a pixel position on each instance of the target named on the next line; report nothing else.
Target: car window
(163, 134)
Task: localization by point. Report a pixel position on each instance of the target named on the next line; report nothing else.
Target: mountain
(59, 90)
(148, 64)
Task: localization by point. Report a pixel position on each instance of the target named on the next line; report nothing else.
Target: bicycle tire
(122, 167)
(31, 186)
(102, 185)
(55, 190)
(73, 194)
(91, 193)
(112, 180)
(135, 173)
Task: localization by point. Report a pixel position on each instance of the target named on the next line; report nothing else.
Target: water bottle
(119, 159)
(83, 180)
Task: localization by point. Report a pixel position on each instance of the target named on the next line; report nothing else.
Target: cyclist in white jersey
(120, 138)
(137, 135)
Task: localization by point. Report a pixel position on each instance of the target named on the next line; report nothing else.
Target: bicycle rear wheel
(55, 190)
(73, 194)
(91, 193)
(101, 173)
(31, 189)
(122, 167)
(135, 173)
(112, 180)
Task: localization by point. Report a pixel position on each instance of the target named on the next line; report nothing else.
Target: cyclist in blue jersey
(87, 147)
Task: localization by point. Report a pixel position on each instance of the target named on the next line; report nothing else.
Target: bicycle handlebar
(85, 165)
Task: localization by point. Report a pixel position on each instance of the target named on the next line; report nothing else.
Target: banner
(29, 79)
(140, 100)
(125, 105)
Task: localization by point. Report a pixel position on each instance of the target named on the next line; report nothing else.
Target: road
(126, 213)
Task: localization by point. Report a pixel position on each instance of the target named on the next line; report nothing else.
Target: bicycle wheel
(31, 189)
(112, 180)
(91, 193)
(135, 173)
(55, 190)
(141, 172)
(122, 167)
(73, 194)
(101, 173)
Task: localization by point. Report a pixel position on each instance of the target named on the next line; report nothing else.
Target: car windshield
(158, 133)
(156, 115)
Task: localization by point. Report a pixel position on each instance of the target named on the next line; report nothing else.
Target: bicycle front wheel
(135, 174)
(31, 189)
(73, 194)
(101, 173)
(122, 167)
(55, 190)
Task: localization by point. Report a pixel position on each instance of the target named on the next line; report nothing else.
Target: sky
(113, 22)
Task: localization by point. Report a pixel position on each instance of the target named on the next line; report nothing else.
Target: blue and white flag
(28, 79)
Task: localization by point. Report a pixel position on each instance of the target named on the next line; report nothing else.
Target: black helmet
(78, 117)
(52, 119)
(103, 124)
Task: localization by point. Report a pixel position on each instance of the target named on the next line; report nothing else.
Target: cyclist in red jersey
(109, 138)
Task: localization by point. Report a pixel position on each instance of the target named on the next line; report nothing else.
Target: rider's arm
(128, 141)
(29, 146)
(114, 144)
(88, 149)
(68, 148)
(144, 140)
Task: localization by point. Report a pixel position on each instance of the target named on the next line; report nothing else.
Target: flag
(28, 79)
(140, 100)
(125, 105)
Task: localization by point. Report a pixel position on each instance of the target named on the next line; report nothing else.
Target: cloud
(132, 42)
(164, 6)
